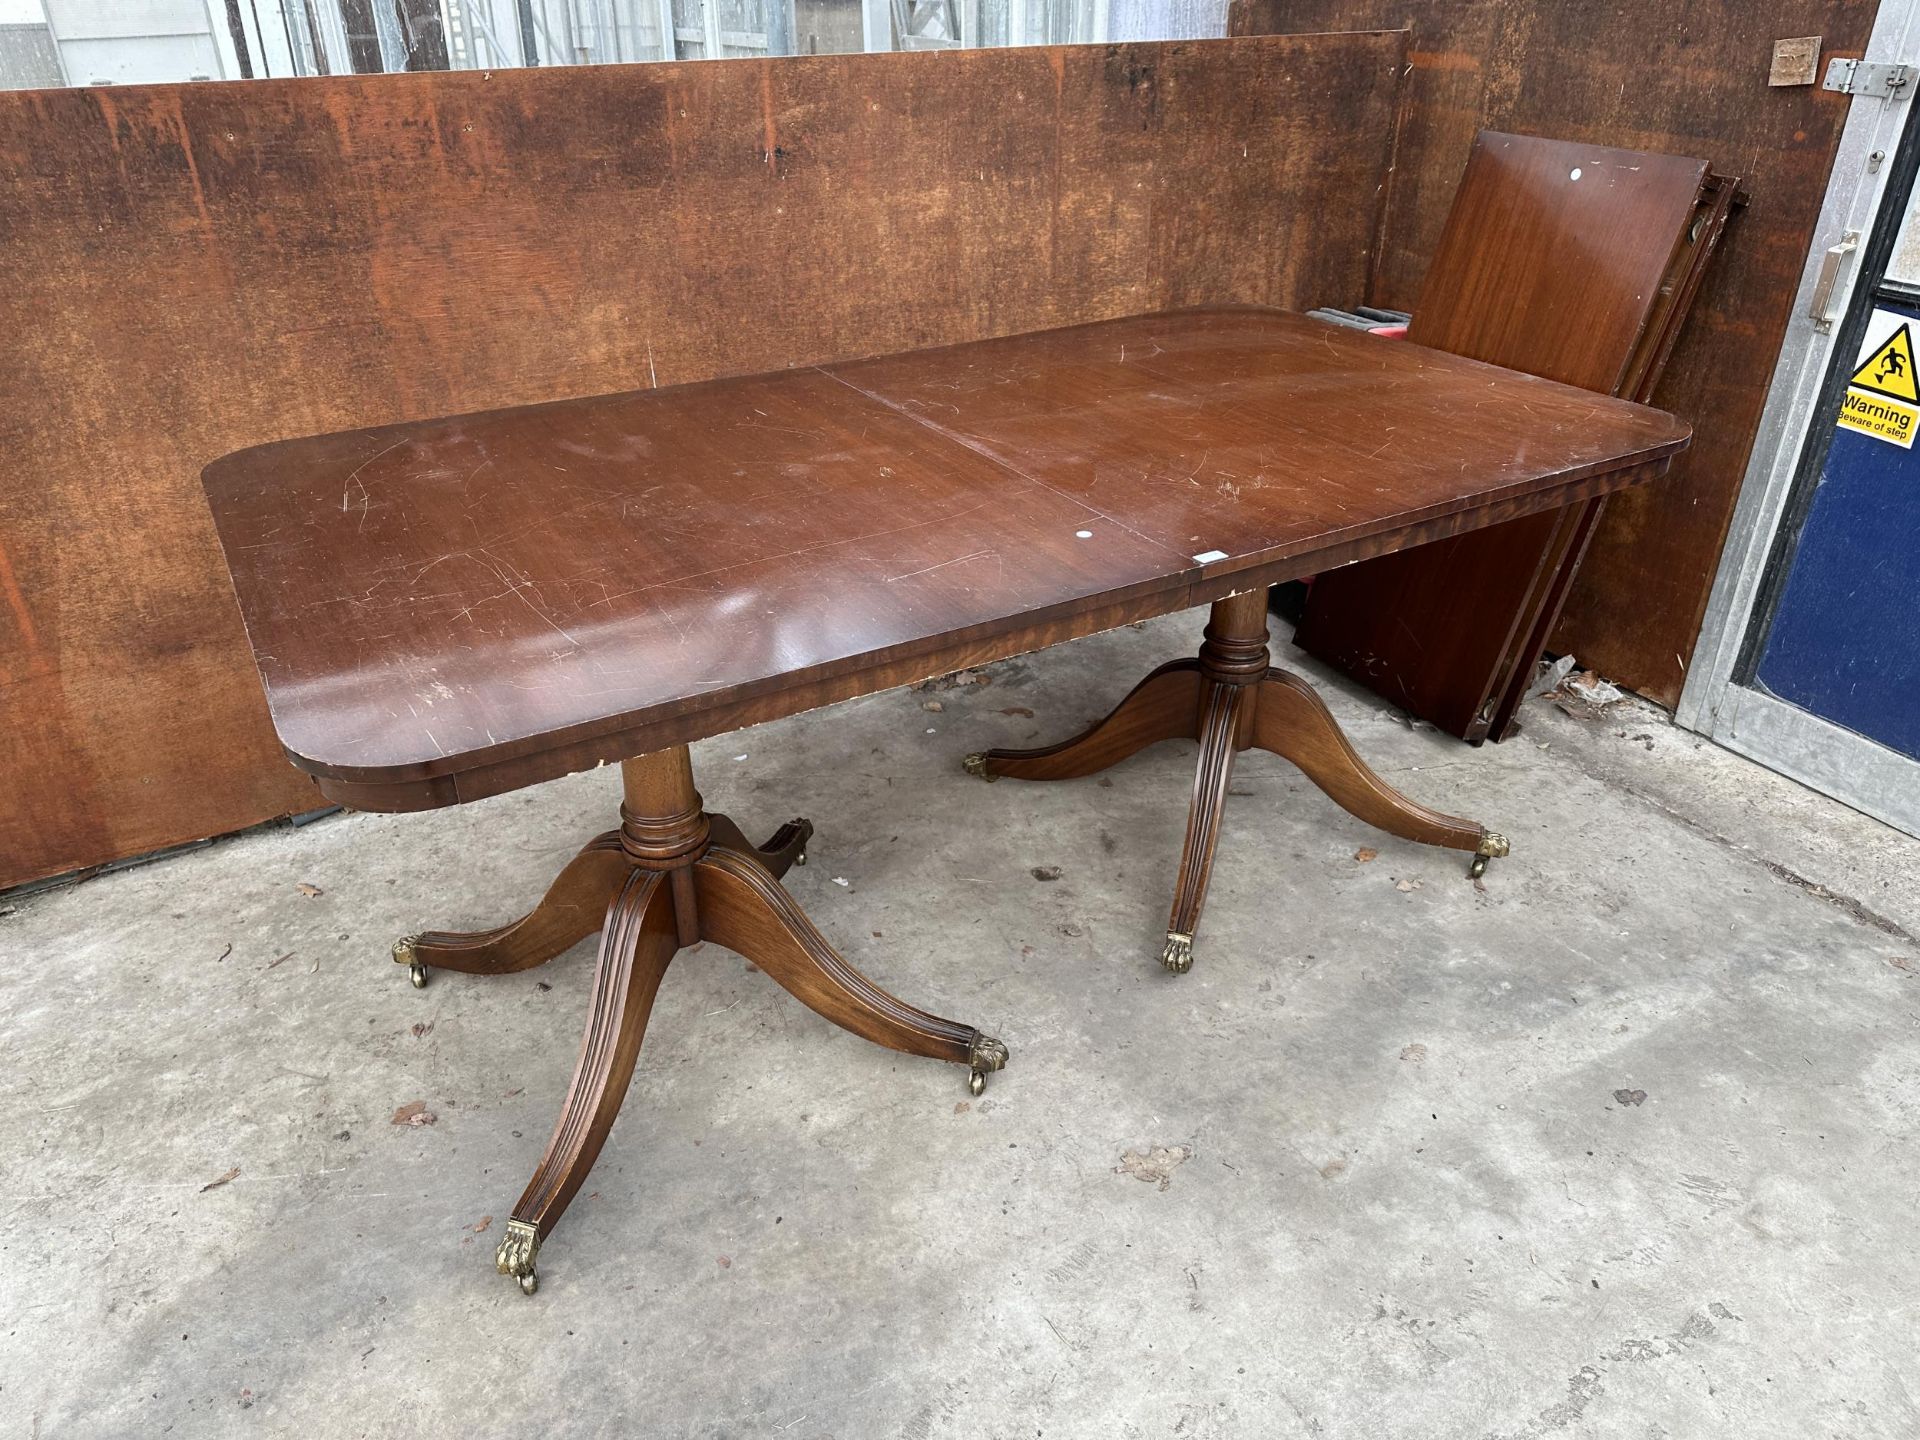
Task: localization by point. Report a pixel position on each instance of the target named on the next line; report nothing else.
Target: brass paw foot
(976, 765)
(984, 1056)
(403, 954)
(1177, 956)
(516, 1254)
(1492, 847)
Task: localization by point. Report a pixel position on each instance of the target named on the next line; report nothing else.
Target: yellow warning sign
(1882, 419)
(1888, 372)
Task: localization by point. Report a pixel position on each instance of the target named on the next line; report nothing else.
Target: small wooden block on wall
(1795, 61)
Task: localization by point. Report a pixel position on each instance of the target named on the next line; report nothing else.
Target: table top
(520, 593)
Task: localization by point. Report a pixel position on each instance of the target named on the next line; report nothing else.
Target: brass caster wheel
(984, 1056)
(1492, 847)
(1177, 955)
(976, 766)
(799, 828)
(516, 1254)
(403, 954)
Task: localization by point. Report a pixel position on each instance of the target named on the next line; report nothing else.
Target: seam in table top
(1000, 462)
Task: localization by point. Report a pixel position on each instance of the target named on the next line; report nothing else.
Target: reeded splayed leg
(1227, 707)
(637, 942)
(1164, 706)
(1233, 655)
(786, 848)
(1293, 722)
(571, 910)
(743, 908)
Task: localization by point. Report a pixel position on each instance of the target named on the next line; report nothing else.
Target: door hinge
(1857, 77)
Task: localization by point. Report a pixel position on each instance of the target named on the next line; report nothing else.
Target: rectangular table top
(458, 606)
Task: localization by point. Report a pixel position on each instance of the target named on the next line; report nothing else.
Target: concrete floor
(1402, 1194)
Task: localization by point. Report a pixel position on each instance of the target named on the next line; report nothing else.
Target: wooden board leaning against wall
(186, 270)
(1683, 77)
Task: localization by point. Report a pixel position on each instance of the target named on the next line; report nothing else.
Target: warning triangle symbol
(1889, 370)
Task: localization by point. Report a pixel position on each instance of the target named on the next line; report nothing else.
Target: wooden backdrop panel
(1684, 77)
(185, 270)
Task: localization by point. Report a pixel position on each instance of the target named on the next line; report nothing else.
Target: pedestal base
(670, 877)
(1229, 699)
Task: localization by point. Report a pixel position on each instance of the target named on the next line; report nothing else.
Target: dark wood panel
(1684, 77)
(188, 270)
(1553, 258)
(1556, 260)
(492, 593)
(1576, 530)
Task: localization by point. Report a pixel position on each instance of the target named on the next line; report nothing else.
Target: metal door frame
(1870, 777)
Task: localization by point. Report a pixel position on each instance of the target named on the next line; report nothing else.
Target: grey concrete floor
(1402, 1195)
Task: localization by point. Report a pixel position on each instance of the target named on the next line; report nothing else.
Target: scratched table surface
(531, 587)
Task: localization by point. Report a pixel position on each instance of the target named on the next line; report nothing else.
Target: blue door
(1844, 638)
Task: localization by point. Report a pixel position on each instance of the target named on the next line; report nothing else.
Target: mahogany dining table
(456, 607)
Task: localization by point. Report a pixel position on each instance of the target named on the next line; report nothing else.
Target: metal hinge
(1857, 77)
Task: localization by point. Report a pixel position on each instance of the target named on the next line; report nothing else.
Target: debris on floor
(1552, 674)
(1155, 1163)
(954, 681)
(1401, 717)
(1586, 696)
